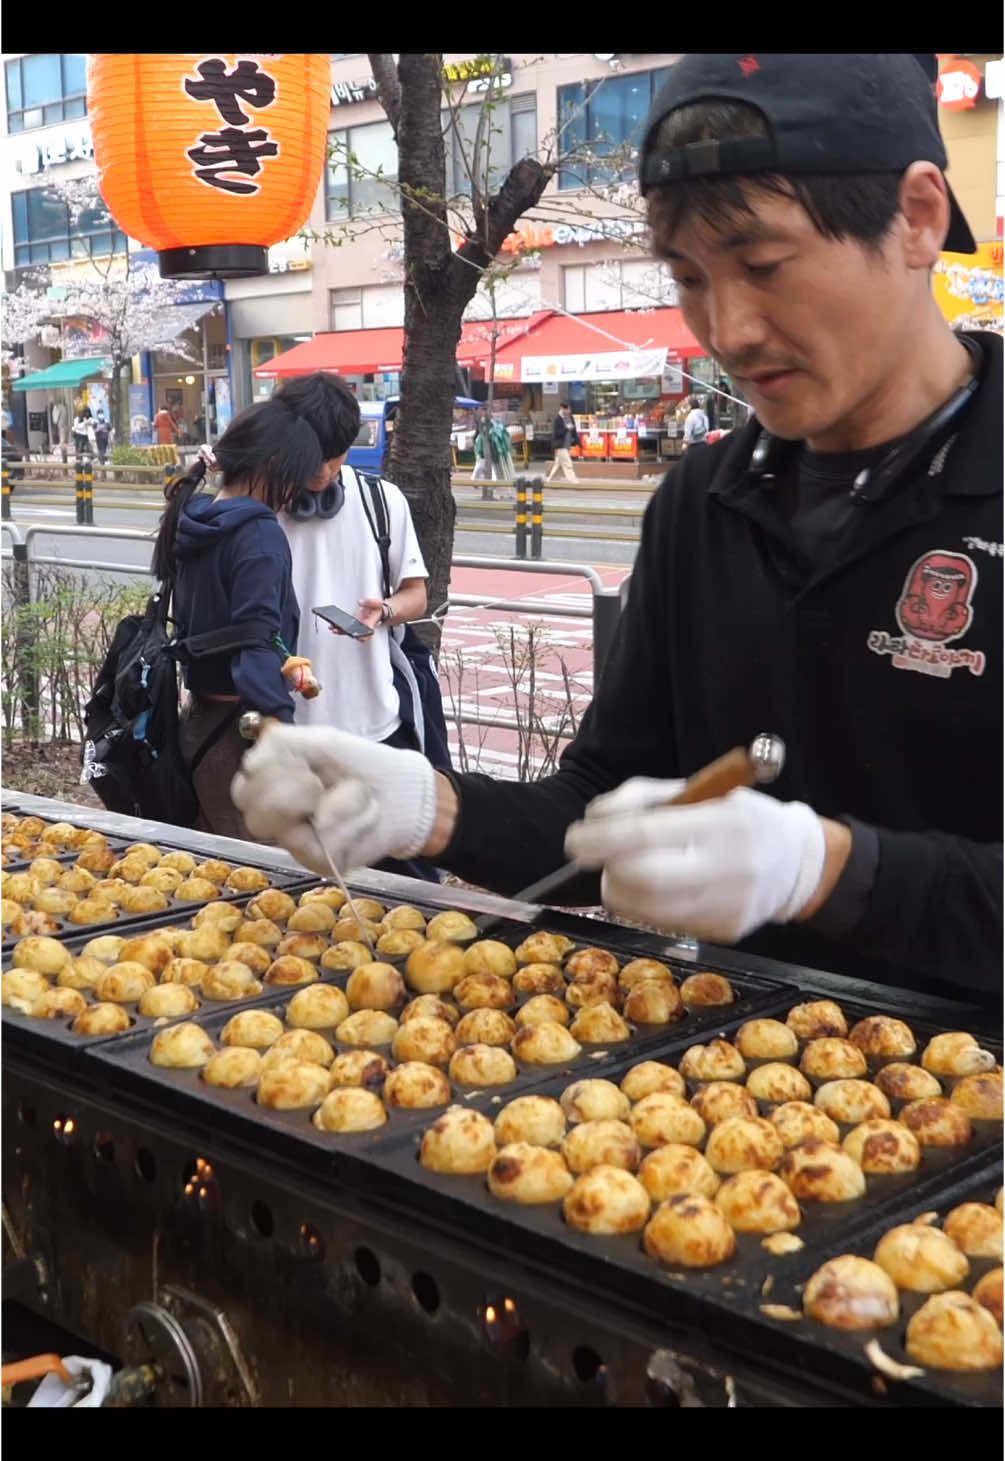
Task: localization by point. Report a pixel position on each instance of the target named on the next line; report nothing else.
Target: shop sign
(345, 92)
(480, 74)
(958, 87)
(624, 445)
(968, 288)
(72, 145)
(593, 444)
(504, 370)
(609, 365)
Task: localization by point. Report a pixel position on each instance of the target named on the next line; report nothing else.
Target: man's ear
(924, 213)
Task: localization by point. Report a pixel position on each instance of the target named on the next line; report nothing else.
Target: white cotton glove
(368, 801)
(715, 870)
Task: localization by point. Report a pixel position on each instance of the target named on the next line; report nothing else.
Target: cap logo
(749, 65)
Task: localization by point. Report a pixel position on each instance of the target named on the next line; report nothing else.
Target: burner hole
(104, 1147)
(587, 1364)
(261, 1219)
(426, 1292)
(145, 1164)
(64, 1129)
(367, 1266)
(312, 1244)
(26, 1114)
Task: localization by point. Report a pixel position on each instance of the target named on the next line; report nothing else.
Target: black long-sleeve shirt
(880, 666)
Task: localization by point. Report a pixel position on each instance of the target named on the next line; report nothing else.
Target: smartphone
(332, 614)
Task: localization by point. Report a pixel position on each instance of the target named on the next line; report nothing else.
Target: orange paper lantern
(209, 158)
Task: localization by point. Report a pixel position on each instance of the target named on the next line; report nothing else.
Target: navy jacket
(882, 673)
(234, 565)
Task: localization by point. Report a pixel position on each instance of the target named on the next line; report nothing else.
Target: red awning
(549, 333)
(370, 352)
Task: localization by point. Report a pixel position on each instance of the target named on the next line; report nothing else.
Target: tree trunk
(115, 413)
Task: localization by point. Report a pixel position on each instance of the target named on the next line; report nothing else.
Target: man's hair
(327, 405)
(564, 406)
(854, 206)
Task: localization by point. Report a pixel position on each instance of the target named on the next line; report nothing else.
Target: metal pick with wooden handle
(252, 725)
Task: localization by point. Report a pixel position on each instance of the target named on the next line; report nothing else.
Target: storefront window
(600, 117)
(45, 88)
(187, 386)
(372, 152)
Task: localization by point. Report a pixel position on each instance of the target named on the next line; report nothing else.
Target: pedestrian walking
(564, 436)
(102, 435)
(695, 424)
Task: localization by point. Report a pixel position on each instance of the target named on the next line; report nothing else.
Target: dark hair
(267, 446)
(328, 405)
(841, 205)
(564, 406)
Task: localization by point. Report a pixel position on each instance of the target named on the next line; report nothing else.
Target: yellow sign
(968, 288)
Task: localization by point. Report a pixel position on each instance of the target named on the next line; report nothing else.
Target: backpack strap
(246, 635)
(380, 524)
(215, 735)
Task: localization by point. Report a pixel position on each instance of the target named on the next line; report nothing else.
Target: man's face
(808, 328)
(329, 471)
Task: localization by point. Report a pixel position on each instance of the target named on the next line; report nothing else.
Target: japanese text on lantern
(236, 147)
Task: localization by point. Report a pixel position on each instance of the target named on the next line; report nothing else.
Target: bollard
(78, 474)
(606, 613)
(25, 643)
(88, 486)
(521, 517)
(6, 492)
(537, 518)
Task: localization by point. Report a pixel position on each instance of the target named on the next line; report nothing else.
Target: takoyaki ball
(594, 1100)
(539, 979)
(528, 1174)
(302, 945)
(355, 930)
(459, 1142)
(350, 1109)
(181, 862)
(424, 1038)
(832, 1058)
(255, 1028)
(590, 988)
(237, 1067)
(369, 909)
(398, 943)
(82, 973)
(988, 1293)
(980, 1096)
(935, 1121)
(488, 956)
(349, 954)
(851, 1293)
(144, 900)
(881, 1036)
(721, 1101)
(599, 1024)
(544, 948)
(546, 1044)
(364, 1068)
(311, 918)
(256, 958)
(601, 1143)
(246, 880)
(208, 943)
(22, 986)
(675, 1169)
(214, 870)
(331, 897)
(485, 1027)
(102, 1019)
(406, 917)
(415, 1086)
(129, 869)
(149, 949)
(638, 970)
(758, 1202)
(164, 879)
(196, 890)
(32, 826)
(766, 1040)
(606, 1199)
(976, 1229)
(181, 1047)
(482, 1065)
(953, 1331)
(716, 1061)
(57, 1004)
(883, 1146)
(483, 991)
(540, 1008)
(538, 1120)
(289, 969)
(55, 901)
(167, 1001)
(151, 855)
(852, 1101)
(275, 906)
(706, 989)
(94, 910)
(259, 931)
(902, 1082)
(21, 887)
(305, 1045)
(33, 922)
(778, 1082)
(289, 1085)
(592, 961)
(921, 1258)
(817, 1019)
(741, 1143)
(430, 1006)
(435, 968)
(649, 1076)
(229, 980)
(375, 987)
(184, 971)
(661, 1117)
(45, 870)
(224, 915)
(688, 1231)
(453, 927)
(11, 917)
(107, 948)
(367, 1027)
(654, 1002)
(817, 1171)
(956, 1054)
(77, 880)
(124, 983)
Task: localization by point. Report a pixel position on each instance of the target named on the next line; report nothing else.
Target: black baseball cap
(825, 114)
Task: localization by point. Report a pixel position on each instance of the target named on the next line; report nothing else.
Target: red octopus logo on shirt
(935, 602)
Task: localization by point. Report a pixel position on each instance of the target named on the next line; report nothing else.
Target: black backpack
(131, 753)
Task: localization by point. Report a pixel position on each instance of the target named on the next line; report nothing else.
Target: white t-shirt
(696, 426)
(336, 561)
